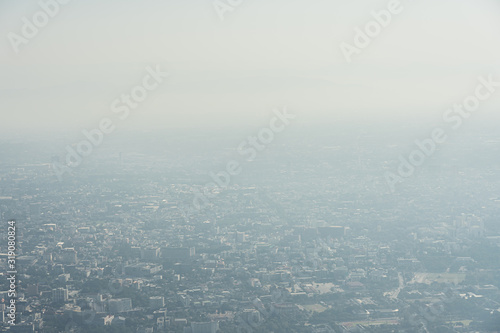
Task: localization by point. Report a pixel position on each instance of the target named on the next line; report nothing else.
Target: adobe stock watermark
(121, 106)
(249, 149)
(454, 117)
(31, 27)
(372, 29)
(224, 6)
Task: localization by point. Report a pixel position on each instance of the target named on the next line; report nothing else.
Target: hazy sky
(264, 54)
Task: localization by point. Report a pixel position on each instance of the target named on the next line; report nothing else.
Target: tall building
(60, 294)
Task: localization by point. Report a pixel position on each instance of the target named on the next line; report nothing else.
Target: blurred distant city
(307, 237)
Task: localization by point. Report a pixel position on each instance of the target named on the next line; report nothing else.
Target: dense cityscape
(236, 166)
(299, 249)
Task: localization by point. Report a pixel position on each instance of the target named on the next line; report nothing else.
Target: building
(49, 227)
(60, 295)
(118, 305)
(69, 256)
(156, 302)
(104, 321)
(22, 328)
(240, 237)
(150, 253)
(208, 327)
(284, 308)
(142, 269)
(177, 253)
(331, 231)
(33, 290)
